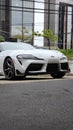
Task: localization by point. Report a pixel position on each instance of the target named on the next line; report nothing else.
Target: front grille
(52, 67)
(64, 66)
(34, 67)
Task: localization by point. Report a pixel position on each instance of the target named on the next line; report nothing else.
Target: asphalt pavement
(45, 105)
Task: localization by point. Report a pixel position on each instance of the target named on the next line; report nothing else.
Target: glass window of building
(22, 20)
(16, 19)
(4, 17)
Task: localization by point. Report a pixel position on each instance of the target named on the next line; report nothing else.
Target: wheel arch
(5, 60)
(7, 57)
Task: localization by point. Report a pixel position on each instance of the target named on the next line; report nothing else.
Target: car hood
(39, 53)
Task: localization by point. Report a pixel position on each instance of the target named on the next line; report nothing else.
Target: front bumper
(42, 67)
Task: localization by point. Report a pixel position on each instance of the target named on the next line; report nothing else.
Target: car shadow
(31, 78)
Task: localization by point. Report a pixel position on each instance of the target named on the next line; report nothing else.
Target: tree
(47, 33)
(24, 34)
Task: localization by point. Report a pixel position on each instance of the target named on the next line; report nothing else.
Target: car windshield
(16, 46)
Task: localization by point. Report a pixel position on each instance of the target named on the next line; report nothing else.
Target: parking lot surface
(36, 104)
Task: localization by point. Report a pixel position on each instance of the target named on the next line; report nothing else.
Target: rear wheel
(58, 75)
(9, 69)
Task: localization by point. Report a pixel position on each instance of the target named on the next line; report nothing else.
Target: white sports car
(21, 59)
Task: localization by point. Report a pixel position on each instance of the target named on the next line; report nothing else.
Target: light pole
(48, 13)
(22, 20)
(33, 24)
(49, 20)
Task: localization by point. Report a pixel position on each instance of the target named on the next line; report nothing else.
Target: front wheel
(58, 75)
(9, 69)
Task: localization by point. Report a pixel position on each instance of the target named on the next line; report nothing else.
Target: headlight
(63, 58)
(27, 56)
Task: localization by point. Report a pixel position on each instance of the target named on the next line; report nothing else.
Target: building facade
(20, 18)
(4, 18)
(16, 19)
(61, 21)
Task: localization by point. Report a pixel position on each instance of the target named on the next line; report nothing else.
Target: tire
(9, 69)
(58, 75)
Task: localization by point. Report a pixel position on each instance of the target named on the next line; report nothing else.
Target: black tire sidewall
(58, 75)
(6, 76)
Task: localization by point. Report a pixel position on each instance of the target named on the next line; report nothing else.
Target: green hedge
(68, 53)
(2, 39)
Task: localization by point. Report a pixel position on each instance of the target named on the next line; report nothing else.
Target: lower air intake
(64, 66)
(34, 67)
(52, 67)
